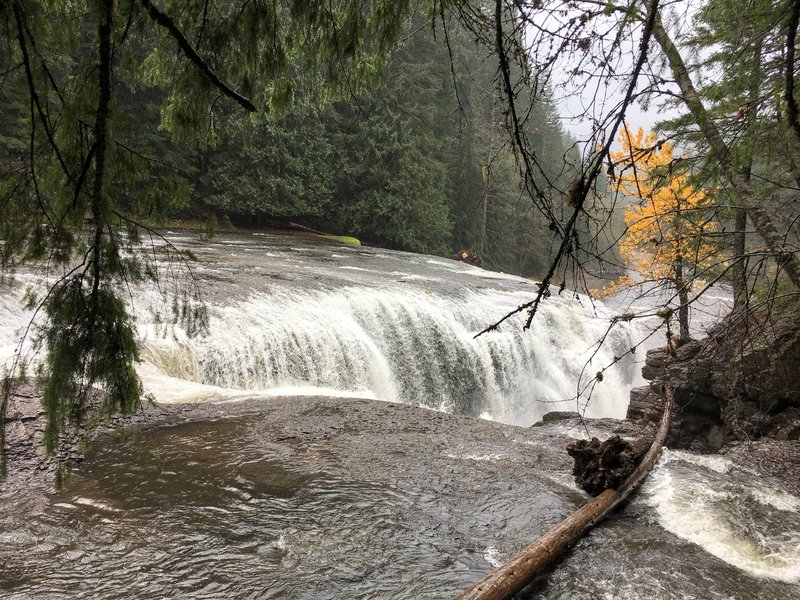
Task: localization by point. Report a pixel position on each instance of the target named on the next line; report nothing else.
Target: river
(293, 482)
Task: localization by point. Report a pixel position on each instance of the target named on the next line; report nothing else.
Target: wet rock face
(645, 404)
(559, 415)
(27, 463)
(760, 362)
(739, 383)
(698, 406)
(25, 421)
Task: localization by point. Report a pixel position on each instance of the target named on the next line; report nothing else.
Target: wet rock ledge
(736, 392)
(27, 464)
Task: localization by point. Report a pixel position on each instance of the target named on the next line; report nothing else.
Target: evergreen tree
(392, 146)
(67, 200)
(742, 43)
(765, 205)
(267, 167)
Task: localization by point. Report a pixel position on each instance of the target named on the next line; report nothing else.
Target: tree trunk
(739, 269)
(683, 312)
(748, 200)
(792, 110)
(511, 577)
(105, 28)
(682, 287)
(485, 216)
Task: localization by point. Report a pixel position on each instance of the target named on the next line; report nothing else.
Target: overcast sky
(582, 105)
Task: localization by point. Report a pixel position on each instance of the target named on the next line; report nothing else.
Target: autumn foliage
(668, 220)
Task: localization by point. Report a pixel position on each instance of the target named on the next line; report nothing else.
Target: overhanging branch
(581, 186)
(43, 117)
(169, 24)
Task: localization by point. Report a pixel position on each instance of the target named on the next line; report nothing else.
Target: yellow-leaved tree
(668, 221)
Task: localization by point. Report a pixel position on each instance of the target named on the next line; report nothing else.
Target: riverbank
(736, 394)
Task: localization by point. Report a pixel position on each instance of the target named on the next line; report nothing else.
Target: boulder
(645, 403)
(560, 415)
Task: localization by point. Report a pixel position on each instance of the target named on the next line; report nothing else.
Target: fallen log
(344, 239)
(511, 577)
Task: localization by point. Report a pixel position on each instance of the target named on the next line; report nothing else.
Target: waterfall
(406, 346)
(288, 318)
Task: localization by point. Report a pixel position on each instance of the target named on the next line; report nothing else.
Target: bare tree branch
(583, 184)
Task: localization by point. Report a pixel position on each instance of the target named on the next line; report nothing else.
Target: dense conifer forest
(417, 160)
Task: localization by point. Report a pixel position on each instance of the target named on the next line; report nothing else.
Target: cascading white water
(405, 343)
(351, 324)
(325, 320)
(751, 527)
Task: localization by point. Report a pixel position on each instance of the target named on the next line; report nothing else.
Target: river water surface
(293, 482)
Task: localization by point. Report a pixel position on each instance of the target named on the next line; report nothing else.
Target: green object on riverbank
(345, 239)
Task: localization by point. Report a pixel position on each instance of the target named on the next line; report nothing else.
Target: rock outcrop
(27, 463)
(741, 382)
(25, 456)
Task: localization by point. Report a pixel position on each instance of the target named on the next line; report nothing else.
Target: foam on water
(741, 522)
(777, 499)
(492, 556)
(478, 457)
(14, 321)
(719, 464)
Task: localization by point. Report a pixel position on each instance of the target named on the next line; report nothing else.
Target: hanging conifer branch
(169, 24)
(23, 46)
